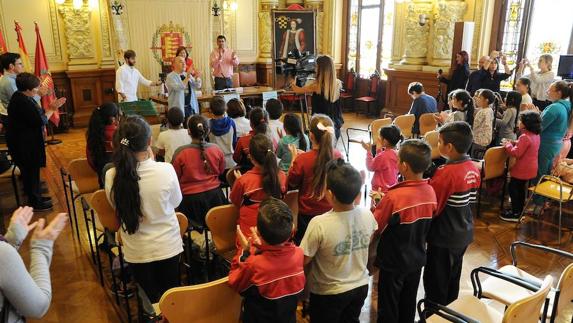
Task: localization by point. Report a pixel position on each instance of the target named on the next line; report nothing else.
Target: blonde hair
(548, 59)
(326, 78)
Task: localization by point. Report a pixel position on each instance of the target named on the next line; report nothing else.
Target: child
(268, 270)
(483, 122)
(308, 172)
(336, 249)
(525, 152)
(144, 194)
(237, 112)
(523, 86)
(102, 126)
(455, 184)
(398, 247)
(264, 180)
(385, 164)
(176, 136)
(462, 106)
(275, 109)
(198, 167)
(507, 122)
(259, 125)
(223, 130)
(294, 136)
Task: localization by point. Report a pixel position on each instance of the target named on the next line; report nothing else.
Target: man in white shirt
(127, 78)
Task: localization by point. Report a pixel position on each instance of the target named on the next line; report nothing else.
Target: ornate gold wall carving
(265, 29)
(416, 35)
(77, 26)
(446, 14)
(318, 5)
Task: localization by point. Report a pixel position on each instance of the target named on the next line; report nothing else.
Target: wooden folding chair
(431, 137)
(373, 131)
(291, 199)
(222, 222)
(427, 123)
(494, 165)
(405, 123)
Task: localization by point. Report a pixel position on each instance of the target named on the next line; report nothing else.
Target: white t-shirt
(526, 99)
(338, 243)
(170, 140)
(275, 126)
(243, 126)
(127, 78)
(157, 237)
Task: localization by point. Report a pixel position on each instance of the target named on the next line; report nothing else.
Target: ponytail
(95, 135)
(132, 137)
(199, 129)
(261, 151)
(322, 128)
(467, 102)
(293, 126)
(259, 121)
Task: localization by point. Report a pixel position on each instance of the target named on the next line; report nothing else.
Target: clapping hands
(23, 215)
(245, 242)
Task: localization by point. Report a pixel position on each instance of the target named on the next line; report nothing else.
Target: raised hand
(57, 104)
(242, 239)
(366, 145)
(53, 230)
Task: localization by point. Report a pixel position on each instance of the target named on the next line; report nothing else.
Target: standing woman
(540, 81)
(183, 52)
(555, 120)
(325, 92)
(460, 73)
(25, 136)
(491, 77)
(145, 194)
(99, 137)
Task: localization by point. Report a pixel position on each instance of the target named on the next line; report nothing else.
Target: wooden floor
(78, 296)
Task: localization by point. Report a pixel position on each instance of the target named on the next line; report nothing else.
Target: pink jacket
(385, 168)
(525, 151)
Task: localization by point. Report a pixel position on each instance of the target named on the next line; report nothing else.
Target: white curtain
(146, 16)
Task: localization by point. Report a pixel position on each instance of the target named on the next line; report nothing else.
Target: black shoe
(508, 216)
(42, 207)
(46, 199)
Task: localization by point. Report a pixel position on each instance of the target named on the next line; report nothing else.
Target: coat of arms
(166, 40)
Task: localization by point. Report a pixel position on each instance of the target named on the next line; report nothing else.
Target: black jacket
(25, 131)
(459, 78)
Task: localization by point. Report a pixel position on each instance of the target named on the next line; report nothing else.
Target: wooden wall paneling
(63, 88)
(397, 99)
(88, 89)
(265, 74)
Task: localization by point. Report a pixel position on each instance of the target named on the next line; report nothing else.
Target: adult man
(475, 78)
(181, 86)
(222, 62)
(127, 77)
(422, 103)
(12, 66)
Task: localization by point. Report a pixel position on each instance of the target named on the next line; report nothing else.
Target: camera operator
(325, 92)
(458, 74)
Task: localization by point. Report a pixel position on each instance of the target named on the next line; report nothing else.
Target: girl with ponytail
(483, 122)
(264, 180)
(308, 172)
(99, 136)
(294, 136)
(145, 194)
(259, 119)
(462, 108)
(198, 167)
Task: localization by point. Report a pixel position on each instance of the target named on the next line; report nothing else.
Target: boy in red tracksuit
(398, 248)
(456, 184)
(268, 269)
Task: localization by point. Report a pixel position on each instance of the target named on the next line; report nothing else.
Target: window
(370, 24)
(535, 27)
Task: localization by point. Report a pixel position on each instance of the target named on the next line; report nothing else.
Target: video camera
(300, 66)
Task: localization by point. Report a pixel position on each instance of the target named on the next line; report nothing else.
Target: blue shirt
(177, 90)
(283, 153)
(422, 104)
(7, 88)
(555, 121)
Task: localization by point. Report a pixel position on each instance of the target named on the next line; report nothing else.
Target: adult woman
(145, 194)
(460, 73)
(325, 92)
(491, 77)
(99, 136)
(25, 136)
(540, 81)
(26, 294)
(183, 52)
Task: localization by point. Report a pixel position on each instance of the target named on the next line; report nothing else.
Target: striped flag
(43, 72)
(22, 49)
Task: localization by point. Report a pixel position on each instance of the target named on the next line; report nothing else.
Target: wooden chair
(505, 293)
(230, 176)
(291, 199)
(427, 123)
(349, 83)
(373, 131)
(211, 302)
(83, 181)
(372, 96)
(405, 123)
(493, 166)
(431, 137)
(222, 222)
(472, 309)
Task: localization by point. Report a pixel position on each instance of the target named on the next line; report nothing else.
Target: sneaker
(42, 207)
(508, 216)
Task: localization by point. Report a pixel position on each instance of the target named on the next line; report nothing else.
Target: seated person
(174, 137)
(422, 103)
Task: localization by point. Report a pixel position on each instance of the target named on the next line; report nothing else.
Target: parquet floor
(78, 296)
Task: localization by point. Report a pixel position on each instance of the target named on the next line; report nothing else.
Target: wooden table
(248, 92)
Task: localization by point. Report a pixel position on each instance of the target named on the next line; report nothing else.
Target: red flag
(22, 49)
(43, 72)
(3, 48)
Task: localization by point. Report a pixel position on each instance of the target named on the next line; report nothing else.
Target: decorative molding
(105, 29)
(77, 23)
(446, 14)
(265, 29)
(317, 5)
(416, 36)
